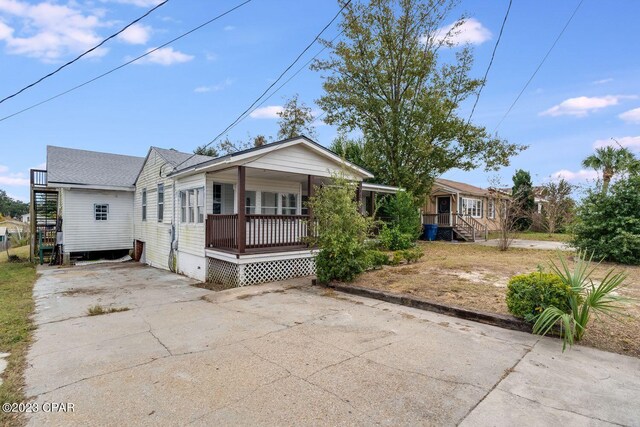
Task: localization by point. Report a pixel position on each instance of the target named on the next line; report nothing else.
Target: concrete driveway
(529, 244)
(289, 353)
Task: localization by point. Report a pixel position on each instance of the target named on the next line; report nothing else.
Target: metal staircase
(44, 217)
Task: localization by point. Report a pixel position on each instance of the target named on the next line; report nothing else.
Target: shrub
(402, 214)
(340, 232)
(528, 295)
(394, 239)
(608, 225)
(412, 255)
(396, 259)
(585, 297)
(376, 259)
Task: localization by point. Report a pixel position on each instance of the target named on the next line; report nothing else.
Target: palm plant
(611, 161)
(585, 298)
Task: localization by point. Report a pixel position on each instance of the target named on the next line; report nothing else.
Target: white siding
(191, 236)
(297, 159)
(155, 235)
(82, 233)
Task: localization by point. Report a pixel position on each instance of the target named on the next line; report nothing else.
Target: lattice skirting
(232, 275)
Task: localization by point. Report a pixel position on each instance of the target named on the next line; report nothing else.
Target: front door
(444, 211)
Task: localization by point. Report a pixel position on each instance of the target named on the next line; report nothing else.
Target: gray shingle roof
(175, 158)
(82, 167)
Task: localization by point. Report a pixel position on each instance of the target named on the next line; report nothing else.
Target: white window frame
(285, 197)
(216, 201)
(192, 206)
(470, 206)
(183, 206)
(144, 204)
(274, 209)
(491, 209)
(160, 202)
(105, 213)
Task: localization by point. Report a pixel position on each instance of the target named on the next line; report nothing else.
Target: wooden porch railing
(38, 178)
(442, 219)
(261, 231)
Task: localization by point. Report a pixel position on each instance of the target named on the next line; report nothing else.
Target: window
(217, 199)
(269, 203)
(160, 202)
(200, 205)
(289, 204)
(192, 205)
(250, 202)
(183, 206)
(491, 209)
(144, 204)
(305, 205)
(471, 207)
(101, 212)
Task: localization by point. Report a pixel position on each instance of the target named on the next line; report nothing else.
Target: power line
(240, 117)
(539, 65)
(128, 62)
(84, 53)
(493, 54)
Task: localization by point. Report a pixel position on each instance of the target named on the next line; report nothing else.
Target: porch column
(373, 204)
(241, 231)
(310, 193)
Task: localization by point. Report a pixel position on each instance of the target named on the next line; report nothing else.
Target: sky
(586, 93)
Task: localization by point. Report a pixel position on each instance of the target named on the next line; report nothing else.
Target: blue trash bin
(430, 232)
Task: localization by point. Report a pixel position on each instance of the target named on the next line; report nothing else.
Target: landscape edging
(503, 321)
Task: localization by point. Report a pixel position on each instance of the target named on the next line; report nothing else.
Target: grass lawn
(475, 276)
(16, 302)
(22, 252)
(534, 235)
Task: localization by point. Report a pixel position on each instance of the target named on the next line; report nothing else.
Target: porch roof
(245, 156)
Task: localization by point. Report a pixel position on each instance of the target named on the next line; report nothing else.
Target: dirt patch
(216, 287)
(476, 277)
(249, 296)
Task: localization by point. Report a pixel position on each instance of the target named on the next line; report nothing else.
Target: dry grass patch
(98, 310)
(475, 277)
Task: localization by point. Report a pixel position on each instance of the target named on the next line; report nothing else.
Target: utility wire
(539, 65)
(241, 116)
(493, 54)
(128, 62)
(84, 54)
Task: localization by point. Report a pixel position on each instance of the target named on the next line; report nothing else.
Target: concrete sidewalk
(288, 353)
(529, 244)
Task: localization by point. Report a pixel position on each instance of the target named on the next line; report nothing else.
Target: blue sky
(586, 93)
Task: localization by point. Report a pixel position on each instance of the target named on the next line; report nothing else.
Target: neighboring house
(460, 210)
(238, 219)
(25, 218)
(94, 206)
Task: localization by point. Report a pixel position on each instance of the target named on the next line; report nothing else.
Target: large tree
(12, 207)
(522, 195)
(386, 79)
(611, 161)
(558, 205)
(296, 119)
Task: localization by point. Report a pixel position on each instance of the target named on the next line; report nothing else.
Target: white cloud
(268, 112)
(229, 28)
(630, 142)
(136, 34)
(631, 116)
(165, 56)
(47, 31)
(139, 3)
(583, 105)
(602, 81)
(214, 88)
(581, 175)
(469, 31)
(12, 179)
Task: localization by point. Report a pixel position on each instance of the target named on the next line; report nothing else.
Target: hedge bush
(394, 239)
(528, 295)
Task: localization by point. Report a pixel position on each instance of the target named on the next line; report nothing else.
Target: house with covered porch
(238, 219)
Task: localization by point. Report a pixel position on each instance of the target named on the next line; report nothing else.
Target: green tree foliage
(558, 209)
(611, 161)
(296, 119)
(522, 195)
(528, 295)
(12, 207)
(385, 79)
(349, 149)
(340, 232)
(609, 224)
(203, 150)
(403, 223)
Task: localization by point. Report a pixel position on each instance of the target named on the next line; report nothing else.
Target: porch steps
(463, 234)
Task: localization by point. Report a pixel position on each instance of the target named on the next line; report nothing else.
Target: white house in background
(95, 199)
(25, 218)
(238, 219)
